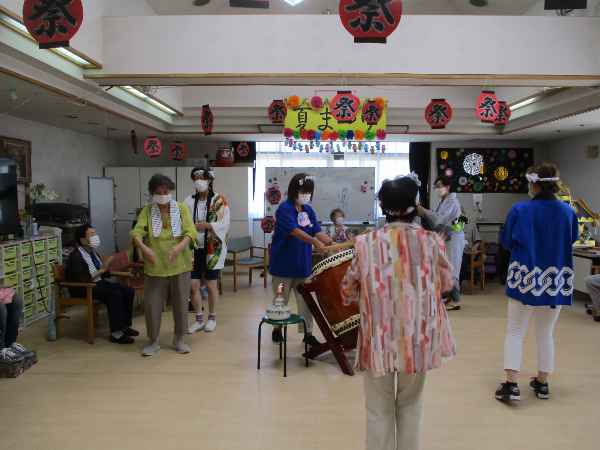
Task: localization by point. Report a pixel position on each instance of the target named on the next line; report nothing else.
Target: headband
(206, 172)
(302, 180)
(535, 178)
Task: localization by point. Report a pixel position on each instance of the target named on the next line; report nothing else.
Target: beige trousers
(157, 290)
(289, 285)
(394, 411)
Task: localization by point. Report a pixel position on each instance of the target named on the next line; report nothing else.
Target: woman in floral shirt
(397, 276)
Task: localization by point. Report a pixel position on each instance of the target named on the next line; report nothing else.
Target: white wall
(578, 172)
(495, 206)
(196, 150)
(61, 159)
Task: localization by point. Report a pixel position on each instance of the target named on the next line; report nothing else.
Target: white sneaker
(196, 326)
(210, 325)
(151, 349)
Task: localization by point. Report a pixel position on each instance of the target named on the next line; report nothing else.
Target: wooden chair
(595, 270)
(239, 245)
(477, 257)
(62, 302)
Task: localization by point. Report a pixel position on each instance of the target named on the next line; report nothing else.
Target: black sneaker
(541, 389)
(508, 392)
(131, 332)
(277, 336)
(123, 340)
(597, 318)
(310, 340)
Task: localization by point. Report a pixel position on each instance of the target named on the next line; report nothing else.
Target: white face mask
(94, 241)
(201, 185)
(304, 199)
(161, 199)
(339, 221)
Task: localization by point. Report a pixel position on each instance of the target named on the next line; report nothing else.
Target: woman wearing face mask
(539, 234)
(210, 213)
(85, 265)
(338, 232)
(297, 230)
(166, 235)
(446, 221)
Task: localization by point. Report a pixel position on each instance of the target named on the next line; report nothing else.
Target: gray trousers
(157, 290)
(289, 285)
(394, 411)
(455, 248)
(592, 283)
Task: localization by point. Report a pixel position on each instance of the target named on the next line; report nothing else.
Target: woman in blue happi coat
(539, 234)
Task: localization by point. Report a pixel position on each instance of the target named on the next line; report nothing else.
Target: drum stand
(337, 345)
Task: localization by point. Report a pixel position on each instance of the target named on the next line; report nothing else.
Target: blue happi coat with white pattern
(539, 234)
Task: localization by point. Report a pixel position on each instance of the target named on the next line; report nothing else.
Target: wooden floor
(82, 397)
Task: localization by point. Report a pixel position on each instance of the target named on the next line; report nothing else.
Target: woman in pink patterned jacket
(397, 276)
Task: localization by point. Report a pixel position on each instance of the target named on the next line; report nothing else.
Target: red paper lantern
(242, 149)
(207, 120)
(225, 156)
(134, 142)
(273, 195)
(371, 112)
(153, 147)
(316, 103)
(504, 113)
(267, 224)
(370, 21)
(52, 23)
(277, 112)
(487, 107)
(177, 151)
(344, 106)
(438, 113)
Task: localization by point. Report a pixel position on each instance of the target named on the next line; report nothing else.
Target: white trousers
(394, 411)
(516, 329)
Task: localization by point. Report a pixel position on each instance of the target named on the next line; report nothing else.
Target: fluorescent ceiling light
(293, 2)
(19, 27)
(157, 104)
(522, 103)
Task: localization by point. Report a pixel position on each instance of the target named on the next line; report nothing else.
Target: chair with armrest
(477, 255)
(237, 246)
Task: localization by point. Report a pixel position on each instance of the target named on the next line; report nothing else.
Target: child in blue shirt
(297, 230)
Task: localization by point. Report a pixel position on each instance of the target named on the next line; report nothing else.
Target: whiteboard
(352, 189)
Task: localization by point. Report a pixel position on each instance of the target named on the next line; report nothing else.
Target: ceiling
(495, 7)
(30, 101)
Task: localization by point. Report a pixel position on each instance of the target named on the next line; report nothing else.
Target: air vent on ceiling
(257, 4)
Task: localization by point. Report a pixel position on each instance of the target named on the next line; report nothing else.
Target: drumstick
(339, 247)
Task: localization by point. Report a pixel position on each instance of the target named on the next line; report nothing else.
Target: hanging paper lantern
(359, 135)
(293, 101)
(288, 132)
(316, 103)
(381, 134)
(243, 149)
(177, 151)
(267, 224)
(487, 107)
(273, 195)
(134, 142)
(277, 112)
(371, 112)
(438, 113)
(52, 23)
(344, 106)
(225, 156)
(504, 113)
(370, 21)
(152, 147)
(207, 120)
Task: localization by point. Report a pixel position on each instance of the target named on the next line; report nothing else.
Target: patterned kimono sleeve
(350, 287)
(221, 215)
(443, 265)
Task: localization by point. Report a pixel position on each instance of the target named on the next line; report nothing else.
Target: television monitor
(9, 204)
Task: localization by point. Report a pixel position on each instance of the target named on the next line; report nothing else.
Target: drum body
(325, 282)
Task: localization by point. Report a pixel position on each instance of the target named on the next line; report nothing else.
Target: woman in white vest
(210, 213)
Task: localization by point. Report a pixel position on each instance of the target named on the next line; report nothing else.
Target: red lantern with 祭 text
(277, 112)
(243, 149)
(487, 107)
(177, 151)
(370, 21)
(153, 147)
(344, 106)
(52, 23)
(207, 120)
(438, 113)
(267, 224)
(371, 112)
(504, 113)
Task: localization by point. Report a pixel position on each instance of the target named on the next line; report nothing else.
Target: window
(392, 163)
